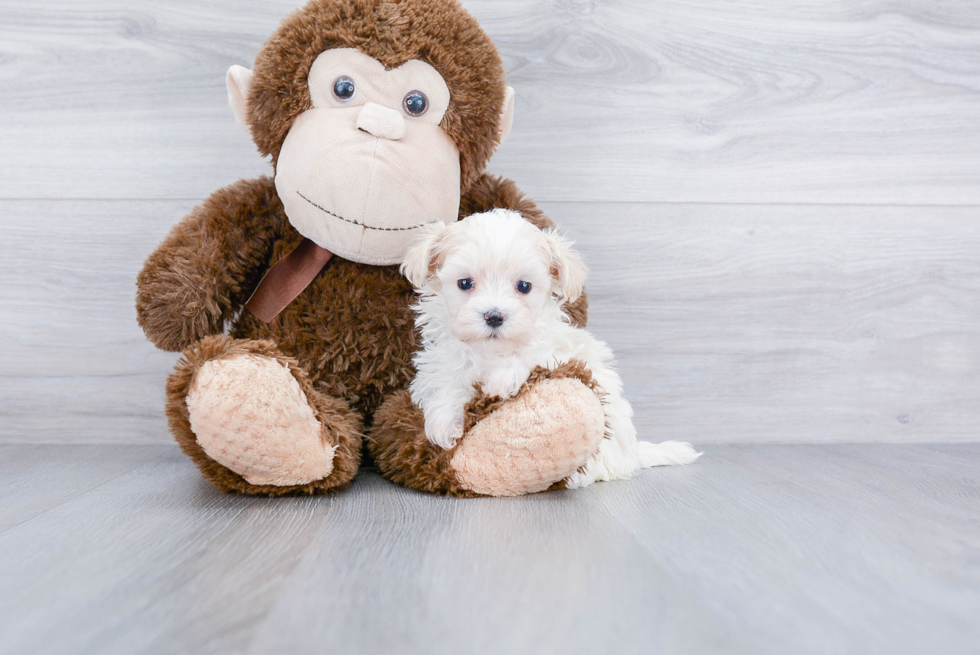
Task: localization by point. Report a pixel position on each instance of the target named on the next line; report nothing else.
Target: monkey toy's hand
(529, 443)
(204, 270)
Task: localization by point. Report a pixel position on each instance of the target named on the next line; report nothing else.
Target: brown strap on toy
(287, 279)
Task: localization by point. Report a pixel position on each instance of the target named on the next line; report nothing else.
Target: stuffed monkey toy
(283, 292)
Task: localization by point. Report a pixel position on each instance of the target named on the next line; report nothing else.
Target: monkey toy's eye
(344, 88)
(465, 284)
(415, 103)
(524, 287)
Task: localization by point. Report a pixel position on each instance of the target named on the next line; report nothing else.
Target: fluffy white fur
(496, 251)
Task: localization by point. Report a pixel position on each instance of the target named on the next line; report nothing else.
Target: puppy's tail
(666, 453)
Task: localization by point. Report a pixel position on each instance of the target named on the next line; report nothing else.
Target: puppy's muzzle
(494, 318)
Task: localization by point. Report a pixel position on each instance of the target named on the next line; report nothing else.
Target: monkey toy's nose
(381, 122)
(494, 318)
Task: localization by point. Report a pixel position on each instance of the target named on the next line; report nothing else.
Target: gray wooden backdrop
(778, 201)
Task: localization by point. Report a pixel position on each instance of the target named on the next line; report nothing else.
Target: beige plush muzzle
(362, 195)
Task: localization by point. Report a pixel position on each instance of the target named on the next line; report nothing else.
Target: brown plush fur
(398, 444)
(437, 32)
(350, 332)
(205, 269)
(349, 336)
(400, 449)
(342, 427)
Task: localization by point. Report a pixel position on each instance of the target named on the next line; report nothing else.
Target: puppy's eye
(344, 88)
(524, 287)
(415, 103)
(465, 284)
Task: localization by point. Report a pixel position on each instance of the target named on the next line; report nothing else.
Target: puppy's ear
(567, 268)
(426, 254)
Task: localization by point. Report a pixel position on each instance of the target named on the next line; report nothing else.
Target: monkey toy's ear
(238, 80)
(507, 115)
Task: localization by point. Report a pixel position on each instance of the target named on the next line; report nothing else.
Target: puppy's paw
(444, 425)
(505, 382)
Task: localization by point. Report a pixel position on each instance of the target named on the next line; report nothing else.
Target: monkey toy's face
(368, 165)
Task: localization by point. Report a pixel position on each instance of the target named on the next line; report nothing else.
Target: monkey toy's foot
(529, 443)
(251, 420)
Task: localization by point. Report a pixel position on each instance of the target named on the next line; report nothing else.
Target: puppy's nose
(494, 318)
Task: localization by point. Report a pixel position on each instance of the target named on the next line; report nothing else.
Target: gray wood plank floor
(754, 549)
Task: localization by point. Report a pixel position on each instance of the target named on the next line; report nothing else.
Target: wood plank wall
(778, 201)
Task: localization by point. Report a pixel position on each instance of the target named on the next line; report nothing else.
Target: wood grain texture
(753, 549)
(731, 323)
(788, 323)
(679, 101)
(35, 478)
(74, 364)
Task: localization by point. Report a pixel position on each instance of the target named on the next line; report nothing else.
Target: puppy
(492, 287)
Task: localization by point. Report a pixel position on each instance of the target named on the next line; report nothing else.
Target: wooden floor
(779, 203)
(754, 549)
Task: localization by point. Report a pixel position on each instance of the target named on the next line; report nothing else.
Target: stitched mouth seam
(366, 227)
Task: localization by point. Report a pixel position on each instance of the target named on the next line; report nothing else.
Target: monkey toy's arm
(528, 443)
(201, 273)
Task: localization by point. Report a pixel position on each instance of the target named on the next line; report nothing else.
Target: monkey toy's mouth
(366, 227)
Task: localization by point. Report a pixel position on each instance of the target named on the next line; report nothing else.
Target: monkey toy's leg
(529, 443)
(250, 419)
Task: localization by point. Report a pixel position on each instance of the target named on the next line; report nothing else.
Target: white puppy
(492, 288)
